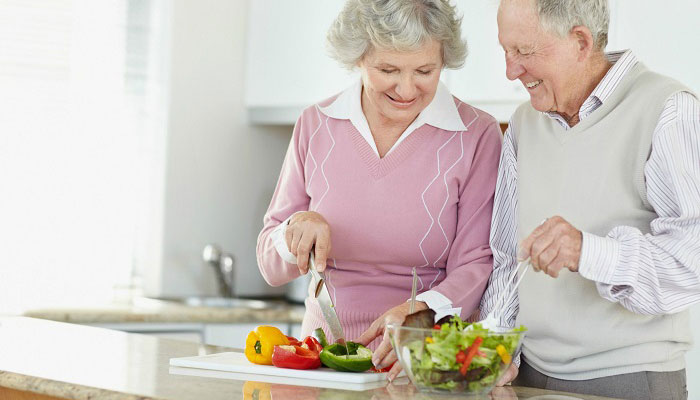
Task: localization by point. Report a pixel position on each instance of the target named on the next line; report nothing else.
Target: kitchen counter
(46, 360)
(145, 310)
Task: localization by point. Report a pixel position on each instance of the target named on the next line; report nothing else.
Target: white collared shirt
(441, 113)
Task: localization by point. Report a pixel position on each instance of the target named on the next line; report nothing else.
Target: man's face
(545, 64)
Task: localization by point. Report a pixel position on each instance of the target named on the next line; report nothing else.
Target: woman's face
(398, 85)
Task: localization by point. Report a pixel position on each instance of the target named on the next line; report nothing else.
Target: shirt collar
(441, 113)
(622, 62)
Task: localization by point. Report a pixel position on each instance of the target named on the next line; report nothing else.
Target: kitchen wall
(220, 171)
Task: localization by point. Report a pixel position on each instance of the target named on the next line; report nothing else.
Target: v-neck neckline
(564, 136)
(380, 167)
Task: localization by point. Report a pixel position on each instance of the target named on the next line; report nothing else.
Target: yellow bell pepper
(260, 343)
(505, 357)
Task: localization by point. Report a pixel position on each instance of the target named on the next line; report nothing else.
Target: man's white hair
(402, 25)
(560, 16)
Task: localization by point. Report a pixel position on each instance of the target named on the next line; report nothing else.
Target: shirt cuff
(516, 358)
(599, 256)
(437, 302)
(599, 259)
(277, 237)
(434, 299)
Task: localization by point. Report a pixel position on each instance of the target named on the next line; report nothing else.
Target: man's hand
(384, 355)
(508, 376)
(552, 246)
(306, 230)
(503, 393)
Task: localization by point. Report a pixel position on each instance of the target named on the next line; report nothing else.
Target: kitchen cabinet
(190, 332)
(227, 334)
(288, 68)
(234, 335)
(216, 321)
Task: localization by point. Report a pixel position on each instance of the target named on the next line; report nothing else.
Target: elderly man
(607, 154)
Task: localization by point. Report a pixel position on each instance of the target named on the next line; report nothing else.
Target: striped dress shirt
(655, 273)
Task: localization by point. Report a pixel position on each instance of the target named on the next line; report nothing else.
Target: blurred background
(135, 132)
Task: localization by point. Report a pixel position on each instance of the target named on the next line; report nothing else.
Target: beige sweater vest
(593, 176)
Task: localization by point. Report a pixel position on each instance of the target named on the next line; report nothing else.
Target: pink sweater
(427, 204)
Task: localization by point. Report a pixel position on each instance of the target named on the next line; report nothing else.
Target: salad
(456, 358)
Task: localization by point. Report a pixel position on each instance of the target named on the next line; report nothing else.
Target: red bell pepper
(293, 341)
(460, 357)
(471, 352)
(295, 357)
(381, 370)
(312, 344)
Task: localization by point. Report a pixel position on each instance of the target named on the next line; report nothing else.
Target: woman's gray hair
(559, 16)
(402, 25)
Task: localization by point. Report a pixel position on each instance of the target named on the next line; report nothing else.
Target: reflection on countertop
(72, 361)
(191, 309)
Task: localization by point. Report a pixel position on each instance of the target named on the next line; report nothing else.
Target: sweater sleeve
(290, 196)
(470, 260)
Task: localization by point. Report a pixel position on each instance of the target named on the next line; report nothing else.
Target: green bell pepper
(336, 357)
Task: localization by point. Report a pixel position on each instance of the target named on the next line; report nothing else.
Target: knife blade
(324, 301)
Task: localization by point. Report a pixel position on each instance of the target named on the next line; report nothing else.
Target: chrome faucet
(223, 264)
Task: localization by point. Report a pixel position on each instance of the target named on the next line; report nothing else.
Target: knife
(412, 306)
(324, 301)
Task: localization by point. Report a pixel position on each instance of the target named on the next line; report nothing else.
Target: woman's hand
(308, 230)
(384, 356)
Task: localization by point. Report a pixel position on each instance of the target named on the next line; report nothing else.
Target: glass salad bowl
(450, 359)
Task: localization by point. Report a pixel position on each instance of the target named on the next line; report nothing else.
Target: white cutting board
(236, 362)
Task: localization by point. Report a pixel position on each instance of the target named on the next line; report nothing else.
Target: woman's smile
(401, 103)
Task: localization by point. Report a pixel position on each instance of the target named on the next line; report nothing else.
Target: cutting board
(236, 362)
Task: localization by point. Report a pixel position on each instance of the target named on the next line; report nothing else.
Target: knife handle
(317, 275)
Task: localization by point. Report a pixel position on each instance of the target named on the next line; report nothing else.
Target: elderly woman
(607, 151)
(392, 173)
